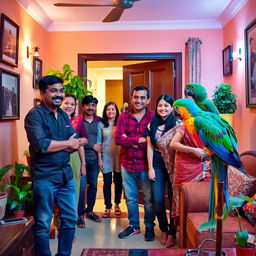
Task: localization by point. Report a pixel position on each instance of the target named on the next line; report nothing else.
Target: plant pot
(3, 201)
(241, 251)
(19, 214)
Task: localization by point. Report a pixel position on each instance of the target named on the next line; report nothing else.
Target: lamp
(35, 53)
(237, 54)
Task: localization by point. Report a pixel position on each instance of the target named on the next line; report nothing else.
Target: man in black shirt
(52, 139)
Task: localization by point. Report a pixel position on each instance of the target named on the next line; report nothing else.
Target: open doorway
(85, 60)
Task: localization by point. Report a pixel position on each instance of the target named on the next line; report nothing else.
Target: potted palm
(20, 188)
(225, 101)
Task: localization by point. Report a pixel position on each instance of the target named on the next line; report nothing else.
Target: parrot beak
(176, 112)
(188, 93)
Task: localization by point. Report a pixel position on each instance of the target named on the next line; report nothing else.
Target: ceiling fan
(115, 13)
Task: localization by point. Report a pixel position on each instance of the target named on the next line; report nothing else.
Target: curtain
(193, 59)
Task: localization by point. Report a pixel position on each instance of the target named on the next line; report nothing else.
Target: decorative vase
(228, 117)
(19, 214)
(3, 201)
(241, 251)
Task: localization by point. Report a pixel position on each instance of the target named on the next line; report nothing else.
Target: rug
(104, 252)
(114, 252)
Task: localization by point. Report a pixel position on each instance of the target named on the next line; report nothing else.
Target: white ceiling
(145, 14)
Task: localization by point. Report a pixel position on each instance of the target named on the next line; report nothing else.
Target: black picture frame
(250, 64)
(9, 95)
(37, 71)
(9, 41)
(227, 60)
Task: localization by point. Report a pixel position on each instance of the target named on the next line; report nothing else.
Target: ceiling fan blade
(114, 15)
(80, 5)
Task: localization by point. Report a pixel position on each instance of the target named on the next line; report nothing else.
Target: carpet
(114, 252)
(142, 252)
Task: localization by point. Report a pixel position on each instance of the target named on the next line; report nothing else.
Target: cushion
(240, 184)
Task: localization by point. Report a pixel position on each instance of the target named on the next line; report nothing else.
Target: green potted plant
(244, 248)
(73, 84)
(225, 101)
(20, 188)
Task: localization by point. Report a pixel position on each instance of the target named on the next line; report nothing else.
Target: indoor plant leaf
(242, 237)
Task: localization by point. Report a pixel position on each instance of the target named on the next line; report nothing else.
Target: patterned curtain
(193, 59)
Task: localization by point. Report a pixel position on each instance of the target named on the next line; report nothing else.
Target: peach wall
(64, 47)
(245, 118)
(12, 135)
(58, 48)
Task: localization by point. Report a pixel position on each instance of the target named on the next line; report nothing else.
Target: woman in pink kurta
(188, 165)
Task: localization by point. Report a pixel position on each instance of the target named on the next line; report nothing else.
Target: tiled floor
(104, 234)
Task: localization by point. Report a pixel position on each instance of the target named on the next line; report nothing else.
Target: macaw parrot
(218, 138)
(199, 94)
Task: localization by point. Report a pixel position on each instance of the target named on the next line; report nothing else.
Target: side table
(17, 239)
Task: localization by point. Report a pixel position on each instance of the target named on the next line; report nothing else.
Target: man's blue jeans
(64, 194)
(81, 201)
(131, 185)
(92, 172)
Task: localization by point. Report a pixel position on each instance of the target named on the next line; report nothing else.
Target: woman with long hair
(109, 158)
(163, 121)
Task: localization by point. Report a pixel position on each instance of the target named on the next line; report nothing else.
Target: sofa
(194, 207)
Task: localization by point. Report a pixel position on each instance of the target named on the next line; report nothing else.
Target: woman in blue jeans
(161, 123)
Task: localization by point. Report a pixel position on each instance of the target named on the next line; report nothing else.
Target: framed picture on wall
(9, 95)
(227, 60)
(250, 64)
(9, 44)
(37, 71)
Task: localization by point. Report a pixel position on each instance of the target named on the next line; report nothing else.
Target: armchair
(194, 210)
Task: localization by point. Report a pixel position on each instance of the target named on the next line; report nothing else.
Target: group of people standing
(124, 146)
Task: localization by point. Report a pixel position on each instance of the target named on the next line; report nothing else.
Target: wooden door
(158, 76)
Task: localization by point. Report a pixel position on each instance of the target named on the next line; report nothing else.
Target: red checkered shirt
(133, 155)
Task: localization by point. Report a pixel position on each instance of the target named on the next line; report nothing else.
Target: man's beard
(57, 104)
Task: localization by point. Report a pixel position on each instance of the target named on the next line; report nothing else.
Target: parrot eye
(176, 112)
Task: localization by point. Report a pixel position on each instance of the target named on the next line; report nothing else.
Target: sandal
(163, 238)
(170, 241)
(80, 222)
(106, 214)
(117, 210)
(94, 217)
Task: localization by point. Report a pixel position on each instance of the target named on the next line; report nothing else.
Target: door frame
(177, 57)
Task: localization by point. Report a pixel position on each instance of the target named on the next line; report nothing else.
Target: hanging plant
(73, 84)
